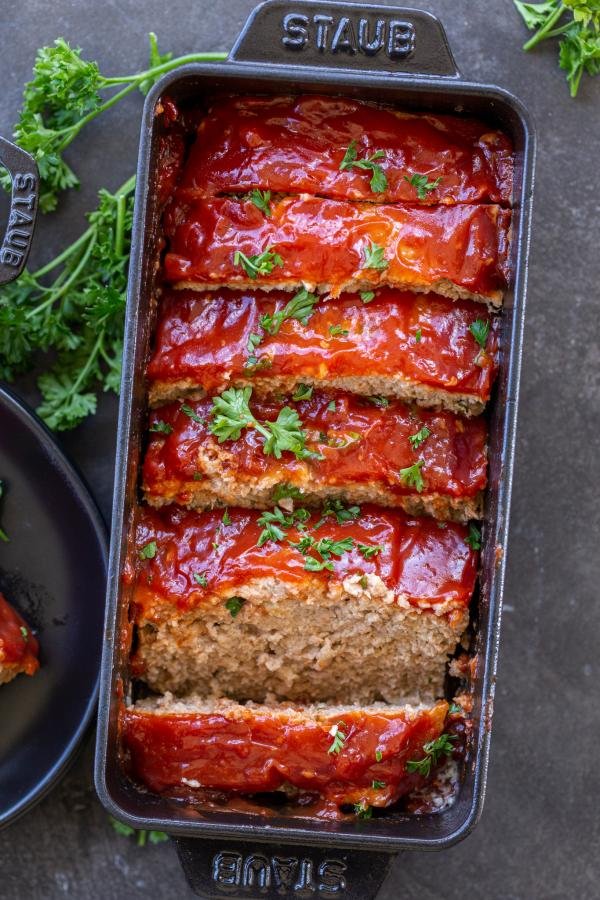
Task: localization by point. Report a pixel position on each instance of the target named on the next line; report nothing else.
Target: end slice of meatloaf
(331, 246)
(340, 446)
(346, 602)
(18, 647)
(394, 344)
(297, 145)
(340, 757)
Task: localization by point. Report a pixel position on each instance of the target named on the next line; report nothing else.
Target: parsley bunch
(65, 94)
(579, 45)
(73, 306)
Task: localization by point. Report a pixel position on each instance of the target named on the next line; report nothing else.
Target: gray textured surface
(539, 834)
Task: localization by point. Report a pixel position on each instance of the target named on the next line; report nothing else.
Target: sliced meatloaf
(234, 451)
(330, 246)
(335, 604)
(337, 757)
(393, 343)
(18, 647)
(298, 145)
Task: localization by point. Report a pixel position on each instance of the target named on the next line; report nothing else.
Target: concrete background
(539, 834)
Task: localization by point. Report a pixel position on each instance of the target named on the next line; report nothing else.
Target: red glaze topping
(323, 242)
(204, 337)
(17, 644)
(296, 145)
(423, 564)
(251, 751)
(359, 442)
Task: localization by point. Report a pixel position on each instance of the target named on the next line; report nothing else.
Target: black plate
(54, 572)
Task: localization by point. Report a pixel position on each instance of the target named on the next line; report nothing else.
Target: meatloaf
(330, 246)
(415, 347)
(333, 445)
(345, 756)
(298, 145)
(341, 602)
(18, 647)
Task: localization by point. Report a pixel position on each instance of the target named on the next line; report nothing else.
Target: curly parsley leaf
(411, 476)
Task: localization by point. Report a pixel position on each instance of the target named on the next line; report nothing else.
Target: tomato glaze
(324, 242)
(251, 751)
(421, 337)
(17, 644)
(421, 563)
(296, 145)
(359, 443)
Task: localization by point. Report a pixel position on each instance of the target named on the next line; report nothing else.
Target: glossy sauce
(17, 647)
(204, 337)
(360, 444)
(322, 242)
(255, 752)
(425, 565)
(296, 145)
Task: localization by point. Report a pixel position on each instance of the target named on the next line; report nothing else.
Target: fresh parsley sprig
(65, 94)
(373, 257)
(230, 414)
(258, 264)
(300, 307)
(433, 750)
(262, 200)
(277, 522)
(411, 476)
(378, 177)
(579, 33)
(422, 184)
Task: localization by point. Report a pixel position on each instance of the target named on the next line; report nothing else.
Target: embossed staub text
(369, 35)
(290, 876)
(20, 223)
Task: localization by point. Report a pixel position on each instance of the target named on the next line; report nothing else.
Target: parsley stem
(543, 32)
(165, 67)
(73, 276)
(120, 225)
(69, 251)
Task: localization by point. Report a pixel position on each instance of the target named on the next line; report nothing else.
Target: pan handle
(336, 35)
(256, 871)
(16, 242)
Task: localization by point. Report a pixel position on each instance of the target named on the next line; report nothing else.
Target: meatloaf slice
(331, 246)
(336, 757)
(393, 344)
(346, 602)
(332, 445)
(18, 647)
(297, 145)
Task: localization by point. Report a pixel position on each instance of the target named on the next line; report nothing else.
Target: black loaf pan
(283, 49)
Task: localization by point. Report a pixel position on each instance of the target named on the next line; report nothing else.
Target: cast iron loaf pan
(278, 52)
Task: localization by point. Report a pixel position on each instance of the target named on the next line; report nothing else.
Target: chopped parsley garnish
(215, 545)
(253, 341)
(300, 307)
(370, 550)
(24, 633)
(226, 520)
(3, 535)
(231, 413)
(149, 551)
(303, 392)
(473, 538)
(201, 579)
(422, 184)
(418, 336)
(379, 400)
(335, 330)
(339, 737)
(367, 296)
(378, 178)
(454, 709)
(274, 523)
(331, 406)
(433, 750)
(259, 264)
(285, 490)
(341, 512)
(161, 427)
(364, 582)
(234, 605)
(377, 785)
(197, 476)
(378, 755)
(188, 411)
(411, 476)
(419, 438)
(480, 330)
(373, 257)
(325, 548)
(363, 810)
(262, 200)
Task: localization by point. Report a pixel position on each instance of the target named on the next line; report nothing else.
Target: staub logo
(349, 34)
(292, 876)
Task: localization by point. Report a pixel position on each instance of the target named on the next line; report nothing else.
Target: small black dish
(53, 570)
